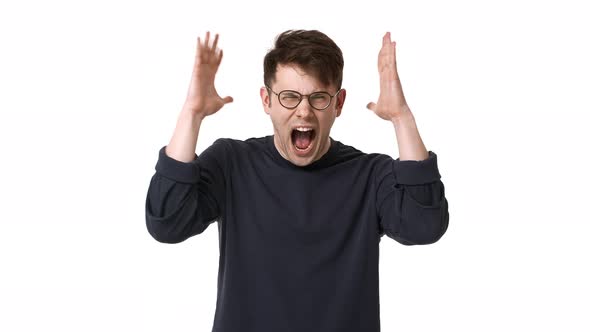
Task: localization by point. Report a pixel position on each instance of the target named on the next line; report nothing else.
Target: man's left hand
(392, 103)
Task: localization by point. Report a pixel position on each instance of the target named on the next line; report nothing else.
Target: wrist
(191, 114)
(403, 118)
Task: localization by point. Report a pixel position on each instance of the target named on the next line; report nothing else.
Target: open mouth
(302, 139)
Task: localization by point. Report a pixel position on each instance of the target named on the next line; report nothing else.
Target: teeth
(303, 129)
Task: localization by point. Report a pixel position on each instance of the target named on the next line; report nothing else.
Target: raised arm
(186, 192)
(202, 100)
(392, 105)
(411, 199)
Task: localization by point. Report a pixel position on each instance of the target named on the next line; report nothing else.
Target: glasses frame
(301, 96)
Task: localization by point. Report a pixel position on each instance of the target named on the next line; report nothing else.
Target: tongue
(302, 139)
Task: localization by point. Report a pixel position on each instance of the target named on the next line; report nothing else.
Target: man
(300, 215)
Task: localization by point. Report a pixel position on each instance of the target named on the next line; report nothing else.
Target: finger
(207, 39)
(372, 106)
(198, 43)
(214, 46)
(394, 59)
(206, 52)
(386, 39)
(220, 57)
(199, 52)
(227, 99)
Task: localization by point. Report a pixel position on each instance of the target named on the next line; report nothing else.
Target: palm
(391, 102)
(202, 97)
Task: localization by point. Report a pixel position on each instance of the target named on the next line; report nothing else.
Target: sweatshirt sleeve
(411, 202)
(183, 199)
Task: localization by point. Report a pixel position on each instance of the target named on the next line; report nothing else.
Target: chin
(296, 158)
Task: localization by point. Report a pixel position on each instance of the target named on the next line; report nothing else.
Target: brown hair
(311, 50)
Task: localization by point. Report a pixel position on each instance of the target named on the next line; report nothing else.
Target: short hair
(311, 50)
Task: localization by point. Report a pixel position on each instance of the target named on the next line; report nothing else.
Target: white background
(90, 91)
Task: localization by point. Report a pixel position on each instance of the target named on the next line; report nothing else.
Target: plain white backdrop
(90, 91)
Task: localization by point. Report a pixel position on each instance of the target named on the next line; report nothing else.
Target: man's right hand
(202, 98)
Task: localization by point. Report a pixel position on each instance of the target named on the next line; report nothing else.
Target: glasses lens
(319, 100)
(289, 98)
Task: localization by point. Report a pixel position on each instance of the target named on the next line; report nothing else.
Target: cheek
(280, 120)
(326, 122)
(280, 123)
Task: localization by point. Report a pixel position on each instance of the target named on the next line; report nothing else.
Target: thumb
(372, 106)
(227, 99)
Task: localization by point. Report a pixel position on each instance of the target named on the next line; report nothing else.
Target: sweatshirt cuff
(177, 170)
(415, 172)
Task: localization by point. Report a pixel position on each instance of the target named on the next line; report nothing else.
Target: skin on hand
(391, 103)
(202, 98)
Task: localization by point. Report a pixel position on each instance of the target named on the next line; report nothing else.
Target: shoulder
(238, 145)
(378, 165)
(231, 147)
(349, 153)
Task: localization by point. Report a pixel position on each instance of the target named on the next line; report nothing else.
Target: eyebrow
(325, 90)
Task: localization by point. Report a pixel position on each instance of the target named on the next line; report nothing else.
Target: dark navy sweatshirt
(298, 246)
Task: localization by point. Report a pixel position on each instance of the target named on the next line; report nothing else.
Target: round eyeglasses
(290, 99)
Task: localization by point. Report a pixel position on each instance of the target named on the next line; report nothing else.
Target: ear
(265, 98)
(340, 101)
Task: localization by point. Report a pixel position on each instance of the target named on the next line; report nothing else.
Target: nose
(304, 109)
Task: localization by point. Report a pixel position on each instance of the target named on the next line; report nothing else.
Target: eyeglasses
(290, 99)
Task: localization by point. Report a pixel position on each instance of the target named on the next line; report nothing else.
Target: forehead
(293, 77)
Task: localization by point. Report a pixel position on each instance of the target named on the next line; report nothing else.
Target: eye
(289, 96)
(319, 97)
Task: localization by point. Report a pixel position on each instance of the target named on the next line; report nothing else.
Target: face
(301, 135)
